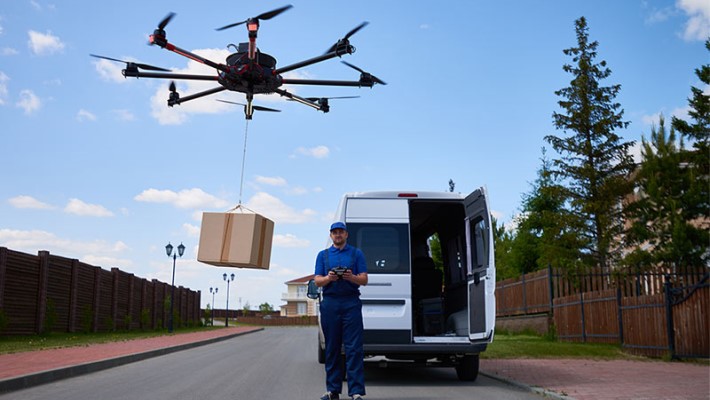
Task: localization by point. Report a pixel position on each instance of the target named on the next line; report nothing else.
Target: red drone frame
(248, 70)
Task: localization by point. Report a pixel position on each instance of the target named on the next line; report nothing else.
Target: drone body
(248, 70)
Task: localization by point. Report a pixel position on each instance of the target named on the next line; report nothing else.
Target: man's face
(339, 236)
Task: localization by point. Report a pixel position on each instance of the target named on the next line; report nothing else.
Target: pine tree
(595, 163)
(661, 231)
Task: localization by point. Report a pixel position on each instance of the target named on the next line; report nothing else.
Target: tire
(321, 353)
(467, 370)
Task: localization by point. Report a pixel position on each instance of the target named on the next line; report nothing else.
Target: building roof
(303, 279)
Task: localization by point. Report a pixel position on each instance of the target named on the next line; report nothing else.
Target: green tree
(595, 162)
(662, 231)
(502, 240)
(266, 308)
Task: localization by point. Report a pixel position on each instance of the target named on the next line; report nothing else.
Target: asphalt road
(277, 363)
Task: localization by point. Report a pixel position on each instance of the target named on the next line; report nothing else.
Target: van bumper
(424, 349)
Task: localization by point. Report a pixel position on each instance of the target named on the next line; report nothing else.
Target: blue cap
(338, 225)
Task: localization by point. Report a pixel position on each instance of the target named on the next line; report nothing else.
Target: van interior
(438, 254)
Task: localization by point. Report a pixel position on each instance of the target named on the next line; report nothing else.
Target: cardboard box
(240, 240)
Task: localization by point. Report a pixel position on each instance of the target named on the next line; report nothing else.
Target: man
(340, 271)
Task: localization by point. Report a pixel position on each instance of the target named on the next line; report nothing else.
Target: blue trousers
(341, 321)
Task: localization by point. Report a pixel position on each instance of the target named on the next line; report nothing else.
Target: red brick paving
(607, 380)
(18, 364)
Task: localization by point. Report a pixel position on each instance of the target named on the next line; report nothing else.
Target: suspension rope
(244, 157)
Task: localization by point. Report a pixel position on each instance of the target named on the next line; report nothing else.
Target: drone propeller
(165, 21)
(344, 40)
(365, 75)
(264, 16)
(321, 99)
(259, 108)
(129, 63)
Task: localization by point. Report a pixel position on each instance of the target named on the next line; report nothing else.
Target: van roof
(404, 194)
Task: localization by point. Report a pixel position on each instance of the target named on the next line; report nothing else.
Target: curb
(40, 378)
(541, 391)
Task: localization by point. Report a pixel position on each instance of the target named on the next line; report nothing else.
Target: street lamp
(213, 293)
(226, 320)
(180, 252)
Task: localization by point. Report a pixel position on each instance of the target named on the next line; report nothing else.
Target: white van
(413, 309)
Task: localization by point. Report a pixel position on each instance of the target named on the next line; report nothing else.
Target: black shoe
(330, 396)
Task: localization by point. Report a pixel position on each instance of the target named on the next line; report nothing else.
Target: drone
(248, 70)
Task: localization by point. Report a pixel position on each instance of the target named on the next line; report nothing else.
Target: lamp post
(180, 252)
(226, 320)
(213, 293)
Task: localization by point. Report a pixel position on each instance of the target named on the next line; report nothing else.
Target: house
(297, 303)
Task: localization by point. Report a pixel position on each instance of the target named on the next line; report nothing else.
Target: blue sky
(96, 167)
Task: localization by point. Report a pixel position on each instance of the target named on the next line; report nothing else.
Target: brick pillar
(42, 290)
(73, 291)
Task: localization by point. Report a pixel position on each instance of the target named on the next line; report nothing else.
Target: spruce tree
(595, 163)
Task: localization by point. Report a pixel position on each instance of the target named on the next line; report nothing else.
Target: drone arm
(311, 61)
(327, 83)
(299, 99)
(195, 96)
(192, 56)
(132, 73)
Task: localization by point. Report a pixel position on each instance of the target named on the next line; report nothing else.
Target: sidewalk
(604, 380)
(32, 368)
(553, 378)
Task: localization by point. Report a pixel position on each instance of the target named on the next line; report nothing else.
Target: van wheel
(467, 370)
(321, 353)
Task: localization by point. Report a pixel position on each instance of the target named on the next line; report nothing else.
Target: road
(277, 363)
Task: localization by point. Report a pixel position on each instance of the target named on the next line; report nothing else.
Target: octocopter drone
(248, 70)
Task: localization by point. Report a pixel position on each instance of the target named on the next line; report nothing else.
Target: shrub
(145, 318)
(87, 319)
(50, 317)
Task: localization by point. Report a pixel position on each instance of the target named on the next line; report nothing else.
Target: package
(232, 239)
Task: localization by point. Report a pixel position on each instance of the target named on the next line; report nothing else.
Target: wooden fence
(46, 293)
(651, 314)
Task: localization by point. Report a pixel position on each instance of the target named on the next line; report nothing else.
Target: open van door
(480, 266)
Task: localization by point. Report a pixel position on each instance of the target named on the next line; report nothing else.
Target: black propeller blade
(128, 63)
(259, 108)
(344, 40)
(165, 21)
(366, 75)
(320, 99)
(264, 16)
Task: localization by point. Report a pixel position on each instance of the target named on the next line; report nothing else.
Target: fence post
(73, 292)
(669, 315)
(620, 311)
(550, 285)
(584, 328)
(97, 299)
(525, 299)
(3, 268)
(114, 298)
(42, 290)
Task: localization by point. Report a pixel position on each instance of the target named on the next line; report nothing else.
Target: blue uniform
(341, 319)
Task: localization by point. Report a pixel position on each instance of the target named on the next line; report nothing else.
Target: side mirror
(313, 290)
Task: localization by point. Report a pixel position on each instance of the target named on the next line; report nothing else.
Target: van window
(386, 246)
(478, 231)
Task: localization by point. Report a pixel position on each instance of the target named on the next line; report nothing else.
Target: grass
(506, 345)
(19, 343)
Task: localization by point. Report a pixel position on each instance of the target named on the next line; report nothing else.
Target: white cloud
(78, 207)
(315, 152)
(97, 252)
(276, 210)
(271, 180)
(698, 25)
(187, 198)
(289, 240)
(8, 51)
(191, 230)
(3, 87)
(124, 115)
(29, 102)
(84, 115)
(654, 119)
(110, 70)
(28, 202)
(43, 44)
(297, 191)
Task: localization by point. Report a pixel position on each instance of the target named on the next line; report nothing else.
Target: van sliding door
(480, 266)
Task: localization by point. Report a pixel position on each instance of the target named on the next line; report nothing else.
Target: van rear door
(480, 266)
